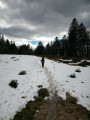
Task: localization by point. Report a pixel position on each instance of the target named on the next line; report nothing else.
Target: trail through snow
(53, 94)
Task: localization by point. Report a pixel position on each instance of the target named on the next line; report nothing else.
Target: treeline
(76, 44)
(7, 47)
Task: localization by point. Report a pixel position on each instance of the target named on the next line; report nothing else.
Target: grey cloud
(18, 32)
(51, 16)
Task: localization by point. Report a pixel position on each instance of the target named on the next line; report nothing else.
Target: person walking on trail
(42, 61)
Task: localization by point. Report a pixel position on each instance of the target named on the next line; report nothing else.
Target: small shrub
(72, 76)
(39, 99)
(43, 92)
(77, 70)
(13, 83)
(22, 73)
(71, 99)
(28, 113)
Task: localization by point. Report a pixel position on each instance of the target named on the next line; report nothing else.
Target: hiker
(42, 61)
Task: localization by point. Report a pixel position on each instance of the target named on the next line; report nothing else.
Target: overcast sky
(27, 21)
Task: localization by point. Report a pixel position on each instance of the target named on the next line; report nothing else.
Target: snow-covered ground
(55, 77)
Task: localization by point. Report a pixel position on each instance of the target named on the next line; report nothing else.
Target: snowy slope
(11, 99)
(55, 76)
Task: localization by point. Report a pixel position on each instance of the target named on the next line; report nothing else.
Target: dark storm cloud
(50, 17)
(18, 32)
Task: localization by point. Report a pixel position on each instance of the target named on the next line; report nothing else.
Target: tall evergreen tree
(2, 45)
(56, 47)
(48, 49)
(73, 37)
(64, 46)
(40, 50)
(83, 40)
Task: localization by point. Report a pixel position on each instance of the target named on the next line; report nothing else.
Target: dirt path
(53, 94)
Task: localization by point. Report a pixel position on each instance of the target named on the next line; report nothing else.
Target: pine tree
(40, 50)
(83, 40)
(48, 49)
(2, 45)
(73, 37)
(64, 46)
(56, 47)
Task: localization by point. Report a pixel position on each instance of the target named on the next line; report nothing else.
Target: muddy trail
(51, 113)
(53, 97)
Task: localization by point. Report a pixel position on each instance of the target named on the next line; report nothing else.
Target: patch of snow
(66, 60)
(12, 100)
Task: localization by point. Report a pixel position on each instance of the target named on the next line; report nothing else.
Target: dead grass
(43, 92)
(43, 110)
(22, 73)
(28, 113)
(66, 110)
(69, 109)
(78, 70)
(84, 64)
(13, 84)
(72, 76)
